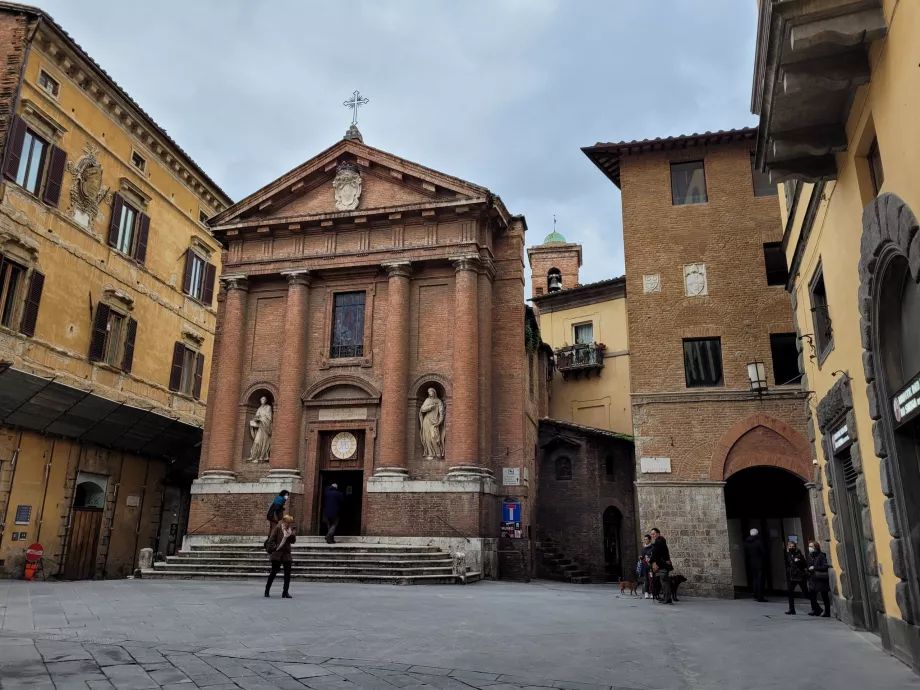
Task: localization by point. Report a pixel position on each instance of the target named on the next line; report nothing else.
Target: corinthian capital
(466, 263)
(398, 269)
(235, 281)
(297, 277)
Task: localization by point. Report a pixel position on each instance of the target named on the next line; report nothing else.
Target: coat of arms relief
(347, 185)
(87, 192)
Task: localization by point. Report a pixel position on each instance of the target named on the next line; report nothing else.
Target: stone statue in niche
(431, 418)
(260, 427)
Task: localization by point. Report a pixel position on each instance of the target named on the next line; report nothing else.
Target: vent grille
(849, 472)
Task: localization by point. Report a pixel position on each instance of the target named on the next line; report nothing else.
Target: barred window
(348, 325)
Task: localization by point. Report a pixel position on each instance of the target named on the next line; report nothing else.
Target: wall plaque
(655, 465)
(335, 414)
(133, 501)
(23, 515)
(906, 402)
(651, 282)
(511, 476)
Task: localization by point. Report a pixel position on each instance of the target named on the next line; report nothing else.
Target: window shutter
(210, 273)
(175, 374)
(57, 162)
(30, 315)
(118, 205)
(199, 373)
(143, 234)
(130, 336)
(187, 280)
(14, 142)
(100, 332)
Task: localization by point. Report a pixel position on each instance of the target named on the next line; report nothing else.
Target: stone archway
(761, 441)
(890, 250)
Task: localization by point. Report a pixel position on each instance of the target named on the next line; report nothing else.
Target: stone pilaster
(394, 402)
(226, 391)
(285, 452)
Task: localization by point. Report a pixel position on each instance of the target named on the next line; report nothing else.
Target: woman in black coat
(279, 548)
(818, 579)
(796, 567)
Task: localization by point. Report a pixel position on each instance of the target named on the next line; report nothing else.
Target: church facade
(370, 334)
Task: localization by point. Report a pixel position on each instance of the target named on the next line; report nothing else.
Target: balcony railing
(580, 358)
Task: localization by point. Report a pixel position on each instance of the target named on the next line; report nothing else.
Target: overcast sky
(503, 93)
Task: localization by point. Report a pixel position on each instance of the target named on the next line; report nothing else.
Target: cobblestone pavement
(134, 635)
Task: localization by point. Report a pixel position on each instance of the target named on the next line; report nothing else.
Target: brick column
(485, 362)
(463, 414)
(226, 391)
(285, 451)
(394, 403)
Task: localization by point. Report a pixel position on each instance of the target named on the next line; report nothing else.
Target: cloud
(500, 92)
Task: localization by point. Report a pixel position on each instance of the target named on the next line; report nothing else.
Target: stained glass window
(348, 325)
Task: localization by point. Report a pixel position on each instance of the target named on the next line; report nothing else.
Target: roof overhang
(811, 57)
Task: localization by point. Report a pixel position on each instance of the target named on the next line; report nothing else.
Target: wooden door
(81, 551)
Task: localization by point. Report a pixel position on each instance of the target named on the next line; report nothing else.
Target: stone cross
(355, 102)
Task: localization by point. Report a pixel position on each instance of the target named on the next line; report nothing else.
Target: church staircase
(553, 564)
(348, 560)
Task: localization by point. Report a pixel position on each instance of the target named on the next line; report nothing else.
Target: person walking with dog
(818, 580)
(279, 549)
(661, 562)
(795, 574)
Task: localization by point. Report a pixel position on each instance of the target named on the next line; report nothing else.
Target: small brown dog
(627, 585)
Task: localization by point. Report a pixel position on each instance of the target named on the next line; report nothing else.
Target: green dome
(554, 237)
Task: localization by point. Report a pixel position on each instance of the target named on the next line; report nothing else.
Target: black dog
(676, 581)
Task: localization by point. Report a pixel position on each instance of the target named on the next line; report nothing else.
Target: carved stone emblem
(651, 282)
(87, 192)
(695, 280)
(347, 185)
(344, 445)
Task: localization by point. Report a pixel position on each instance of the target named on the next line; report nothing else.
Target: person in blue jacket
(276, 511)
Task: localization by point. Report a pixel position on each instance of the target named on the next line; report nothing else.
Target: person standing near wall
(795, 574)
(279, 548)
(661, 561)
(818, 579)
(756, 553)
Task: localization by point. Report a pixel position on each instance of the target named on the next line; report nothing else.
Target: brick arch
(341, 380)
(791, 449)
(259, 386)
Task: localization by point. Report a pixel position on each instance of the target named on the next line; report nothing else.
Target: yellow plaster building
(585, 325)
(837, 90)
(107, 311)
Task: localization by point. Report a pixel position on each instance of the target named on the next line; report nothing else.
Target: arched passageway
(613, 548)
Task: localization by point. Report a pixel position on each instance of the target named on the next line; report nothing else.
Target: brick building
(718, 451)
(353, 287)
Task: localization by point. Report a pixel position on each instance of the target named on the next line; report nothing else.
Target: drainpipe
(41, 511)
(140, 517)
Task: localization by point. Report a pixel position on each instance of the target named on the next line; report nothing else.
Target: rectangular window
(875, 167)
(785, 358)
(789, 189)
(202, 217)
(187, 371)
(196, 275)
(126, 227)
(703, 362)
(820, 313)
(688, 183)
(762, 184)
(11, 277)
(774, 259)
(113, 341)
(30, 164)
(348, 325)
(584, 334)
(189, 365)
(138, 161)
(49, 84)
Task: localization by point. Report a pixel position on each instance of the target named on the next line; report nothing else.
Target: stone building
(375, 308)
(717, 408)
(107, 311)
(846, 73)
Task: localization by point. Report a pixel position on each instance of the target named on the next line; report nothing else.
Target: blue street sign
(511, 512)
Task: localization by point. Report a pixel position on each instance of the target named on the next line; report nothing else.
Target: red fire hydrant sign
(34, 552)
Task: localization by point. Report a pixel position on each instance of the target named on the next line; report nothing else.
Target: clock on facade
(344, 445)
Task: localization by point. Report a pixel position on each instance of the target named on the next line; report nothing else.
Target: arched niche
(252, 402)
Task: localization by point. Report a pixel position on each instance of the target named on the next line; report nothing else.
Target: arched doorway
(774, 501)
(86, 522)
(613, 549)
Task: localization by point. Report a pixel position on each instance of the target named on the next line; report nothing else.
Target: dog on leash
(627, 585)
(676, 582)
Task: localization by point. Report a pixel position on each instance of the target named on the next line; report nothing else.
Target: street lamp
(757, 375)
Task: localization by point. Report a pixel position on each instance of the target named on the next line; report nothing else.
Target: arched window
(554, 280)
(563, 468)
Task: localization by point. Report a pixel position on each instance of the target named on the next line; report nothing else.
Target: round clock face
(344, 445)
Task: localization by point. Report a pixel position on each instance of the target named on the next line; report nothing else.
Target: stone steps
(556, 565)
(451, 579)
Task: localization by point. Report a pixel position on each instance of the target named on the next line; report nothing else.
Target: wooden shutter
(118, 205)
(187, 279)
(131, 334)
(199, 373)
(57, 162)
(34, 298)
(100, 333)
(175, 374)
(210, 273)
(143, 235)
(14, 141)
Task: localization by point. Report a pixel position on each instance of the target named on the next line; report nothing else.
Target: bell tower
(553, 265)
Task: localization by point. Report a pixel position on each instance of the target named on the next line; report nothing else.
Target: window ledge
(328, 363)
(109, 367)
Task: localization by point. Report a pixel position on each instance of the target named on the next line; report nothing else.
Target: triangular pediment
(387, 182)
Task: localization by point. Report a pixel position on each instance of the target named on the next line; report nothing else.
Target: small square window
(49, 84)
(703, 362)
(202, 217)
(563, 469)
(875, 167)
(774, 259)
(138, 161)
(820, 313)
(688, 183)
(761, 180)
(584, 334)
(785, 358)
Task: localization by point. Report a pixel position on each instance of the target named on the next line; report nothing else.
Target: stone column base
(392, 472)
(465, 473)
(282, 475)
(217, 476)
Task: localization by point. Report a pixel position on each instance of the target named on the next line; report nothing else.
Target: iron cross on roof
(355, 102)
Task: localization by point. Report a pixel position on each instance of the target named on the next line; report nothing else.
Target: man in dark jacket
(332, 510)
(795, 574)
(661, 562)
(756, 554)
